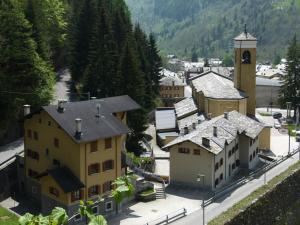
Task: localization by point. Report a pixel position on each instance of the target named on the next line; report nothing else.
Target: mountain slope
(208, 26)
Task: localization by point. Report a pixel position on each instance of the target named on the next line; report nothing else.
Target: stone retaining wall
(277, 206)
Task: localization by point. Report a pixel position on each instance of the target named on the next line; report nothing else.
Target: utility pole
(199, 177)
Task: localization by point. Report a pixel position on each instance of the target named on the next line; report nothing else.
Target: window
(33, 154)
(257, 150)
(94, 146)
(107, 143)
(233, 166)
(108, 206)
(94, 168)
(246, 57)
(221, 176)
(54, 191)
(40, 120)
(216, 166)
(216, 182)
(237, 162)
(250, 158)
(49, 123)
(221, 161)
(56, 162)
(35, 135)
(184, 150)
(29, 133)
(33, 189)
(32, 173)
(95, 210)
(76, 195)
(253, 154)
(107, 186)
(108, 165)
(229, 153)
(236, 146)
(94, 190)
(56, 142)
(196, 151)
(47, 151)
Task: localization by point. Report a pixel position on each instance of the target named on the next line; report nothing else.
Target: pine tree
(81, 31)
(21, 68)
(291, 82)
(155, 63)
(135, 87)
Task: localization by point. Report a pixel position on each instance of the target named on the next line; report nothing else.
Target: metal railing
(9, 160)
(220, 193)
(169, 217)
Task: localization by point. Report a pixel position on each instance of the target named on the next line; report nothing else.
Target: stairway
(160, 193)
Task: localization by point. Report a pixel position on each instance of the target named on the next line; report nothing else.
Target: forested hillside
(208, 26)
(95, 39)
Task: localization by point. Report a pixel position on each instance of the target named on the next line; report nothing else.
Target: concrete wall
(267, 94)
(244, 143)
(184, 168)
(218, 107)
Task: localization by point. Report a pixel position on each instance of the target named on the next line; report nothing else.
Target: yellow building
(171, 87)
(73, 152)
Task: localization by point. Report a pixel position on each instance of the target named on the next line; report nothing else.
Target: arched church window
(246, 57)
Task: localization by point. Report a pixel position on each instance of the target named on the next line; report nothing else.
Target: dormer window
(246, 57)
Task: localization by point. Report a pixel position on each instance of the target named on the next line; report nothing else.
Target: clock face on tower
(246, 57)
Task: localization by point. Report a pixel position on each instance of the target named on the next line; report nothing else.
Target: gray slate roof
(185, 107)
(228, 129)
(93, 127)
(216, 86)
(245, 37)
(168, 81)
(188, 121)
(66, 179)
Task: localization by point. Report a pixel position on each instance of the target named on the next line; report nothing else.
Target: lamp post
(288, 108)
(199, 177)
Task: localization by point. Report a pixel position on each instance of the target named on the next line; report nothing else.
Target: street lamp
(288, 109)
(199, 177)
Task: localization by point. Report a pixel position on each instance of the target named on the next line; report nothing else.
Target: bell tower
(245, 68)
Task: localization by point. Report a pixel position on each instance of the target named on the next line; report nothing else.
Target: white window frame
(108, 209)
(33, 189)
(97, 210)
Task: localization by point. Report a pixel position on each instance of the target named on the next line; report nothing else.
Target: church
(231, 137)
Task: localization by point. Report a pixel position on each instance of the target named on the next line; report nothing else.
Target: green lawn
(7, 218)
(234, 210)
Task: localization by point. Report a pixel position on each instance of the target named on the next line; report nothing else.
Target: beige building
(216, 148)
(171, 87)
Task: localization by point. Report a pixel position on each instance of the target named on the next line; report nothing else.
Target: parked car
(277, 125)
(277, 115)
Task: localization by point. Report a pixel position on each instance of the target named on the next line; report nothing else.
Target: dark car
(277, 115)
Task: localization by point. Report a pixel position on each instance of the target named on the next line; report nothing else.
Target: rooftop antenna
(246, 30)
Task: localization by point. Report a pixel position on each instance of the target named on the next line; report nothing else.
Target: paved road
(231, 198)
(61, 90)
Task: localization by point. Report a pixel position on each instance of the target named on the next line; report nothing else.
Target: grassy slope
(210, 29)
(7, 218)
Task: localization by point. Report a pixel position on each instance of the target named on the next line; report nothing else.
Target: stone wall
(278, 206)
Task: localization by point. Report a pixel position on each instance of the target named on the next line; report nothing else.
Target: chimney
(215, 131)
(194, 126)
(226, 115)
(26, 109)
(78, 123)
(186, 130)
(206, 142)
(209, 116)
(61, 105)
